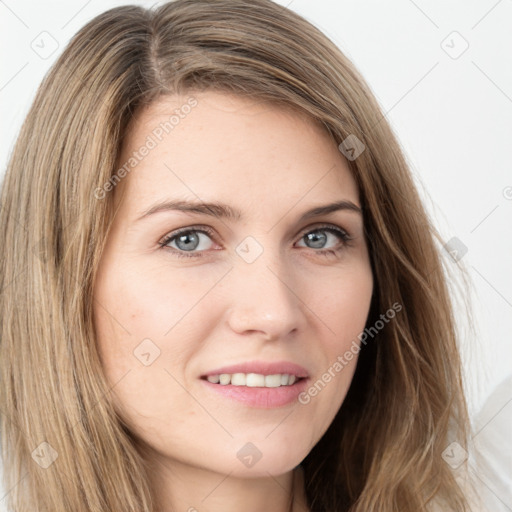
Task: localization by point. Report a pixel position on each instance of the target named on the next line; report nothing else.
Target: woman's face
(262, 284)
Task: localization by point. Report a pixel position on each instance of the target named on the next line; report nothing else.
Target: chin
(259, 457)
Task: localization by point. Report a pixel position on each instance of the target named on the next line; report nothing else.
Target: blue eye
(187, 241)
(319, 241)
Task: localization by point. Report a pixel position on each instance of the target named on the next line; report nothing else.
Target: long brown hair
(64, 448)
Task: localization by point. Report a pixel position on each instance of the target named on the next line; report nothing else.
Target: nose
(265, 299)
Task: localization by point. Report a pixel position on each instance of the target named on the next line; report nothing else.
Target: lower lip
(264, 398)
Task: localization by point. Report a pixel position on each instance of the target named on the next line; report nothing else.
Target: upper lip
(262, 368)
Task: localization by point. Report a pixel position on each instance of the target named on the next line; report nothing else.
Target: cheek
(343, 309)
(131, 305)
(147, 329)
(344, 306)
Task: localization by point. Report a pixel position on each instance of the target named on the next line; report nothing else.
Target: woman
(226, 293)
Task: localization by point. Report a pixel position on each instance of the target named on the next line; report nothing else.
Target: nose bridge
(262, 293)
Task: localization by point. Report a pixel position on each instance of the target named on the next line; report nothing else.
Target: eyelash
(341, 233)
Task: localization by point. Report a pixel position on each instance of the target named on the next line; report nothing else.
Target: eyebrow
(224, 211)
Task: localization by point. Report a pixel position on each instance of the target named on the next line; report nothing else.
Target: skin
(292, 303)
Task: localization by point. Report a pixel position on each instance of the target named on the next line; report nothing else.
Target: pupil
(186, 239)
(319, 240)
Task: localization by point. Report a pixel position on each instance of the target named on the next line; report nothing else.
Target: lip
(263, 398)
(260, 397)
(263, 368)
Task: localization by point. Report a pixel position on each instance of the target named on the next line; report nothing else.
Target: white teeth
(253, 380)
(238, 379)
(225, 378)
(272, 381)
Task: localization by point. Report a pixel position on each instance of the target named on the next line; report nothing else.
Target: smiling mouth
(254, 380)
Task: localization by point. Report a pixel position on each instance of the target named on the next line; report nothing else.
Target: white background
(451, 108)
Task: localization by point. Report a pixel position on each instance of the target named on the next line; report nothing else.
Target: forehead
(218, 146)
